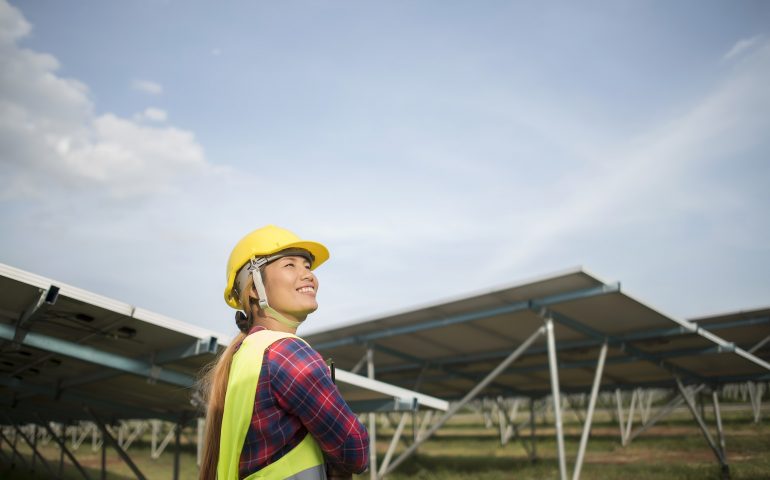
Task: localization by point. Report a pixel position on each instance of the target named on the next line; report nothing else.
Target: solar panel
(64, 349)
(450, 346)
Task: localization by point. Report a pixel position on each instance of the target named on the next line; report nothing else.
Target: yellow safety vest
(303, 462)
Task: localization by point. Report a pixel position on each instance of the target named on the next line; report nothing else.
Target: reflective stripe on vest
(303, 462)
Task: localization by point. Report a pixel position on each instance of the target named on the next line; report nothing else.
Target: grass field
(464, 449)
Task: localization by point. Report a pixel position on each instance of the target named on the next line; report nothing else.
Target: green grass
(464, 449)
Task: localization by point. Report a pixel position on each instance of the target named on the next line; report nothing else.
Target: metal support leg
(662, 413)
(646, 406)
(35, 453)
(630, 422)
(62, 445)
(619, 401)
(177, 448)
(33, 436)
(755, 396)
(392, 446)
(64, 451)
(199, 443)
(512, 430)
(424, 424)
(468, 397)
(104, 459)
(714, 447)
(107, 437)
(554, 370)
(372, 419)
(718, 416)
(590, 413)
(14, 450)
(532, 422)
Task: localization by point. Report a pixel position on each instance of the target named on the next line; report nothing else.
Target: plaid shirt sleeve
(302, 385)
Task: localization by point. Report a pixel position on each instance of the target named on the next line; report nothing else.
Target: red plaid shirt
(296, 395)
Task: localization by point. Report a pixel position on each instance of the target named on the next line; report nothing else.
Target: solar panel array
(447, 348)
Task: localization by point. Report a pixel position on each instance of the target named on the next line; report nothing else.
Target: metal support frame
(372, 418)
(677, 401)
(99, 357)
(177, 446)
(718, 418)
(35, 452)
(157, 449)
(64, 450)
(201, 429)
(107, 437)
(756, 390)
(14, 450)
(554, 369)
(468, 397)
(533, 456)
(469, 317)
(662, 413)
(590, 412)
(392, 446)
(689, 399)
(625, 424)
(45, 300)
(596, 341)
(426, 419)
(513, 430)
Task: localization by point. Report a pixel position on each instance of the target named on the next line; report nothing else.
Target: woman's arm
(303, 387)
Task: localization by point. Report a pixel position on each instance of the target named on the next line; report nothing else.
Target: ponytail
(213, 386)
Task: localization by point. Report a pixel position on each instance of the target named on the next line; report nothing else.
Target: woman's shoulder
(291, 347)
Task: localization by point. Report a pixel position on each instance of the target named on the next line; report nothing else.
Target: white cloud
(152, 114)
(147, 86)
(742, 46)
(52, 139)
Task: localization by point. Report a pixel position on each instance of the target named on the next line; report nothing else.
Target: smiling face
(291, 287)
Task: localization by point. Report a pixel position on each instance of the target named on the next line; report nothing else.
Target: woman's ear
(253, 293)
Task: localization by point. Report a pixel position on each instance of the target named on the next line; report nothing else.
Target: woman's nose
(308, 274)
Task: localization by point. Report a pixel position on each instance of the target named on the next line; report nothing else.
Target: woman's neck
(264, 320)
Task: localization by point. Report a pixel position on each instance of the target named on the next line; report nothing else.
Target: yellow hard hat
(263, 242)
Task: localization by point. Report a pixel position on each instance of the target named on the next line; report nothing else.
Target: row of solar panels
(64, 348)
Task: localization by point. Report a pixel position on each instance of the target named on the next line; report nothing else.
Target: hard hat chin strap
(255, 267)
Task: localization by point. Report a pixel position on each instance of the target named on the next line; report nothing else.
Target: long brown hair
(213, 386)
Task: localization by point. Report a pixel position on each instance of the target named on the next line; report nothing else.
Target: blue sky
(437, 148)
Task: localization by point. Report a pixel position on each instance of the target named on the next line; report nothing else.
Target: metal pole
(34, 450)
(533, 457)
(619, 399)
(34, 444)
(718, 415)
(663, 412)
(590, 413)
(177, 447)
(554, 369)
(106, 436)
(104, 458)
(714, 447)
(393, 444)
(630, 422)
(14, 450)
(62, 447)
(372, 419)
(64, 450)
(468, 397)
(199, 447)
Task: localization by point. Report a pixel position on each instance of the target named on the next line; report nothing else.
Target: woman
(273, 409)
